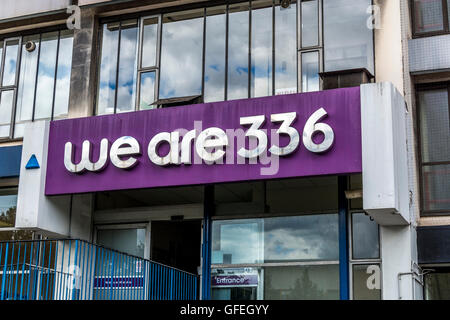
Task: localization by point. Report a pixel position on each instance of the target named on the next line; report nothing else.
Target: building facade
(275, 149)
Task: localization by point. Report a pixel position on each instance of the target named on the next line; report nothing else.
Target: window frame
(156, 68)
(445, 17)
(419, 89)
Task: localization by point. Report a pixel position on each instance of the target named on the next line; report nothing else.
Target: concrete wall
(66, 216)
(34, 210)
(388, 44)
(11, 9)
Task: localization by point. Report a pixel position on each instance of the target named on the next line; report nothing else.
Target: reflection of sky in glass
(147, 91)
(46, 76)
(238, 35)
(10, 64)
(181, 58)
(312, 237)
(365, 242)
(108, 68)
(310, 71)
(298, 238)
(285, 49)
(46, 90)
(215, 58)
(126, 87)
(240, 239)
(348, 42)
(310, 23)
(150, 38)
(261, 82)
(63, 75)
(6, 102)
(27, 78)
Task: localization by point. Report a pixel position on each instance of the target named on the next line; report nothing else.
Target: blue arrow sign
(32, 163)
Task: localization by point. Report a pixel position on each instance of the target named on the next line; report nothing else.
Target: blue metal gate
(78, 270)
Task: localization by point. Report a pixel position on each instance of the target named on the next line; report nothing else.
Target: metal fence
(78, 270)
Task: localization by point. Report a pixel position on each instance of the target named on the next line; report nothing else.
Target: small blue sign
(32, 163)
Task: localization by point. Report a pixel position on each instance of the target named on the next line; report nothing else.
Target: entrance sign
(234, 280)
(282, 136)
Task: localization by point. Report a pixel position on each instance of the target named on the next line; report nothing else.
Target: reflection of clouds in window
(301, 238)
(215, 58)
(150, 37)
(261, 83)
(285, 50)
(10, 63)
(181, 58)
(238, 37)
(237, 242)
(147, 92)
(63, 75)
(126, 86)
(46, 76)
(347, 40)
(27, 78)
(108, 68)
(310, 71)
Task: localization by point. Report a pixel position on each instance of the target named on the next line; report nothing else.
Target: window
(434, 127)
(181, 54)
(234, 51)
(437, 285)
(283, 258)
(130, 241)
(8, 204)
(348, 42)
(117, 87)
(35, 79)
(430, 16)
(365, 259)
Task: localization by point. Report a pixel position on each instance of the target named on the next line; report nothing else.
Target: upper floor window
(34, 79)
(434, 127)
(232, 51)
(430, 16)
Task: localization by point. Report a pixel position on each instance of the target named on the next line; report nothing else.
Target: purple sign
(234, 280)
(274, 137)
(119, 282)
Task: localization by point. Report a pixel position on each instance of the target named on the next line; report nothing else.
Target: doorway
(177, 244)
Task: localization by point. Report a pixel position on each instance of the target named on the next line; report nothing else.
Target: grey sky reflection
(310, 237)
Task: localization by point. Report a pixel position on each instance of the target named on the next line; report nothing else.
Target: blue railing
(78, 270)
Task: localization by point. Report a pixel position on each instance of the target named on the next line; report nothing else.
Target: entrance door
(177, 244)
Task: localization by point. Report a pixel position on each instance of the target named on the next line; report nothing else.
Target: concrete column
(84, 66)
(399, 261)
